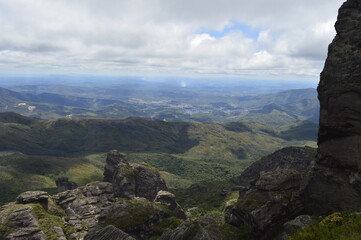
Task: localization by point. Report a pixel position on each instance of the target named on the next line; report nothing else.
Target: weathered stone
(21, 222)
(114, 158)
(137, 180)
(26, 233)
(32, 197)
(168, 199)
(273, 197)
(137, 217)
(296, 158)
(334, 183)
(84, 205)
(124, 181)
(148, 181)
(280, 179)
(299, 223)
(108, 233)
(63, 184)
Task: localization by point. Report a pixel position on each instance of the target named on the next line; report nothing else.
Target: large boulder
(168, 199)
(334, 184)
(148, 181)
(114, 158)
(297, 158)
(33, 197)
(132, 180)
(273, 193)
(138, 217)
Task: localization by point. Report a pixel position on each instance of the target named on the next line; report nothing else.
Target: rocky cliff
(275, 191)
(335, 181)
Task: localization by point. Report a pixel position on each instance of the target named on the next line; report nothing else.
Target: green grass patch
(337, 226)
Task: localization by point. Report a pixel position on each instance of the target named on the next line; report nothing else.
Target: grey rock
(63, 184)
(32, 197)
(296, 158)
(280, 179)
(108, 233)
(132, 180)
(137, 217)
(334, 182)
(124, 181)
(168, 199)
(148, 182)
(22, 217)
(274, 196)
(300, 222)
(60, 233)
(84, 205)
(114, 158)
(27, 233)
(22, 222)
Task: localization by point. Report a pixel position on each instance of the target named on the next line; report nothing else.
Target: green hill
(35, 152)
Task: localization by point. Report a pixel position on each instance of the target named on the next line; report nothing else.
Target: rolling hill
(185, 153)
(165, 103)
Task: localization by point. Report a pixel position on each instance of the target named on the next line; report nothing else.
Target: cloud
(259, 38)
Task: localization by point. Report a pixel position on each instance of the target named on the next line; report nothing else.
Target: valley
(36, 151)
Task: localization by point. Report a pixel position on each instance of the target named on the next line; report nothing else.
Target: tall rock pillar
(335, 182)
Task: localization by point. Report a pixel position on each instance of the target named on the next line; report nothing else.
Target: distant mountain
(277, 109)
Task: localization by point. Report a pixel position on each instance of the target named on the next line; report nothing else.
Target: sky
(253, 39)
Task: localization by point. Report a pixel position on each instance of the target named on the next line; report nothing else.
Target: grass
(337, 226)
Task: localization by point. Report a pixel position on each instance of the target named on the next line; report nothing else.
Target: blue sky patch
(234, 27)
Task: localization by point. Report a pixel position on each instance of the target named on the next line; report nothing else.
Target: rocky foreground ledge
(132, 203)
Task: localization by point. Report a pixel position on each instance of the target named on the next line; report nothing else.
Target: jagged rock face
(23, 222)
(84, 205)
(114, 158)
(168, 199)
(297, 158)
(137, 217)
(148, 182)
(63, 184)
(273, 194)
(340, 93)
(93, 211)
(132, 180)
(32, 196)
(334, 184)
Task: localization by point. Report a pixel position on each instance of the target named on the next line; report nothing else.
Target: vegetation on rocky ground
(337, 226)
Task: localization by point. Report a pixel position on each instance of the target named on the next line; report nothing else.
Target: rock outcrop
(272, 193)
(132, 180)
(335, 182)
(84, 205)
(168, 199)
(299, 223)
(114, 158)
(22, 221)
(32, 197)
(96, 210)
(63, 184)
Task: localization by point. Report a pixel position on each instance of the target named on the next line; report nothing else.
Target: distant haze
(254, 39)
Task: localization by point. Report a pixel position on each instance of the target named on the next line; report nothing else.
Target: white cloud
(163, 37)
